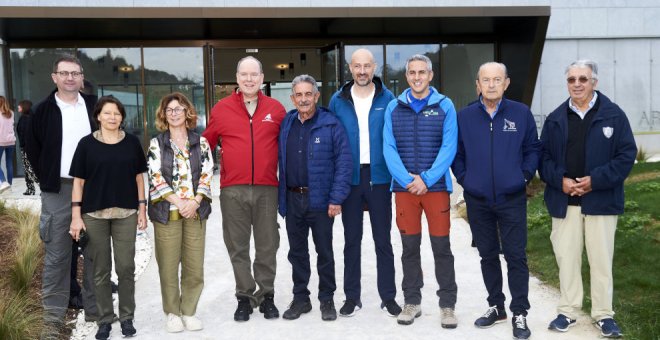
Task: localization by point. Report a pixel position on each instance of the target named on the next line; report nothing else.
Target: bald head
(362, 67)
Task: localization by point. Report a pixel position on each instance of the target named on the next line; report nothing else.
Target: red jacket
(248, 153)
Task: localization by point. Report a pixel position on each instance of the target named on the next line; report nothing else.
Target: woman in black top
(22, 129)
(108, 202)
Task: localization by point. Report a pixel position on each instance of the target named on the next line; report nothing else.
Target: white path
(217, 302)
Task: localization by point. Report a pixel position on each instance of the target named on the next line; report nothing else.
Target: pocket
(45, 223)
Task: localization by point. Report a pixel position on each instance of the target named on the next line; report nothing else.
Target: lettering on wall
(649, 121)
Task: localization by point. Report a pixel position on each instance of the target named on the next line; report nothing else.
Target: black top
(109, 172)
(23, 128)
(296, 152)
(576, 146)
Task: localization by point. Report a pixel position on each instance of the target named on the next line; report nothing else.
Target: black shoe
(328, 311)
(127, 329)
(520, 329)
(297, 307)
(350, 307)
(492, 316)
(114, 287)
(76, 302)
(243, 310)
(28, 193)
(104, 331)
(391, 308)
(268, 307)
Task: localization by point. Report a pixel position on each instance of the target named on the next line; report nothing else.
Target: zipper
(492, 161)
(252, 144)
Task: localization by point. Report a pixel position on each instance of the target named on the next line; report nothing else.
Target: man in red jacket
(246, 126)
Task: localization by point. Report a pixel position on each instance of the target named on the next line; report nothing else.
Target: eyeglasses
(174, 111)
(582, 80)
(496, 81)
(66, 74)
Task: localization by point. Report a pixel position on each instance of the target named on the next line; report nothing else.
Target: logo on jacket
(431, 112)
(317, 140)
(379, 108)
(509, 126)
(608, 131)
(268, 118)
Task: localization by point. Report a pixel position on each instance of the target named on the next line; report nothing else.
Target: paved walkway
(217, 303)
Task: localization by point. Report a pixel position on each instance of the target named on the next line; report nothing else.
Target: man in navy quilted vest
(419, 144)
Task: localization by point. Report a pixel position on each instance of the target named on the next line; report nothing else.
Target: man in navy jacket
(360, 106)
(498, 153)
(588, 151)
(315, 174)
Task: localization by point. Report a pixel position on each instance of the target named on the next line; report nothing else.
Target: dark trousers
(378, 198)
(511, 218)
(299, 220)
(75, 289)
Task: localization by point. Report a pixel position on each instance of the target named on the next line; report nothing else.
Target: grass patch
(20, 256)
(636, 266)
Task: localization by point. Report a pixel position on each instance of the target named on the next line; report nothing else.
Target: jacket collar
(435, 98)
(345, 90)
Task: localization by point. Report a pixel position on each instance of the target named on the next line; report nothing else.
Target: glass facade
(140, 76)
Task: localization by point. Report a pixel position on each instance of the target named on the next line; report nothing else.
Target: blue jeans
(9, 162)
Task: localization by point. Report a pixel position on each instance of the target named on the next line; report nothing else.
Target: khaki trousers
(251, 211)
(569, 236)
(180, 243)
(122, 233)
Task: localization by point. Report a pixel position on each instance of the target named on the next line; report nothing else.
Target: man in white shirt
(360, 106)
(57, 125)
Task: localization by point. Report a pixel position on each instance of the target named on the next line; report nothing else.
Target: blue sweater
(329, 164)
(342, 105)
(610, 154)
(421, 143)
(496, 156)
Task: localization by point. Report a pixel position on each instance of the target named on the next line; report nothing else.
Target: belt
(299, 190)
(362, 166)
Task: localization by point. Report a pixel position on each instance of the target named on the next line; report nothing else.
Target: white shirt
(576, 109)
(362, 108)
(75, 125)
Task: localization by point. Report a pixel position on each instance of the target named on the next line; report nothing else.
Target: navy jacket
(329, 163)
(342, 105)
(610, 154)
(496, 156)
(421, 143)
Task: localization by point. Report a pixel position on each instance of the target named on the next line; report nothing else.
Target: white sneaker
(4, 187)
(174, 323)
(192, 323)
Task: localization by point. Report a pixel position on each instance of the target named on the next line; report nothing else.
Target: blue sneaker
(561, 324)
(608, 328)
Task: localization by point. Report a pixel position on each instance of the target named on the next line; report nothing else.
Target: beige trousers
(569, 236)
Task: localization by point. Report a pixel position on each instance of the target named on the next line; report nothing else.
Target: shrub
(28, 250)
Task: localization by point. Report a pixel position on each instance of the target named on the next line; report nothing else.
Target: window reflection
(460, 63)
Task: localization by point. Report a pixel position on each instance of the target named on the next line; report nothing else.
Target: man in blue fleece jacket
(498, 153)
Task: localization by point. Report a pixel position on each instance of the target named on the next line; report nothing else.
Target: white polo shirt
(75, 125)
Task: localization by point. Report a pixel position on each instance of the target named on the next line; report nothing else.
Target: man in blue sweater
(419, 144)
(360, 107)
(498, 153)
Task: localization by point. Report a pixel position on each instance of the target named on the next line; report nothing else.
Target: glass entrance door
(331, 71)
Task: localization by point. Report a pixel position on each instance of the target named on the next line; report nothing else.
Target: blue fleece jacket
(443, 156)
(342, 105)
(496, 156)
(329, 164)
(610, 154)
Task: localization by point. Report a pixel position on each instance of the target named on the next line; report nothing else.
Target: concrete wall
(623, 36)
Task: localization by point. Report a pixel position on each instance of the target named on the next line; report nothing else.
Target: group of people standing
(313, 164)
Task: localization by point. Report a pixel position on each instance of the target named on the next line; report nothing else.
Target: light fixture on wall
(303, 59)
(282, 67)
(291, 68)
(126, 68)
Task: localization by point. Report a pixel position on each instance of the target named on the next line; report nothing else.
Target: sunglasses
(582, 80)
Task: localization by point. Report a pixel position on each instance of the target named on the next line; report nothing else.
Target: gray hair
(304, 78)
(502, 66)
(261, 70)
(584, 63)
(420, 57)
